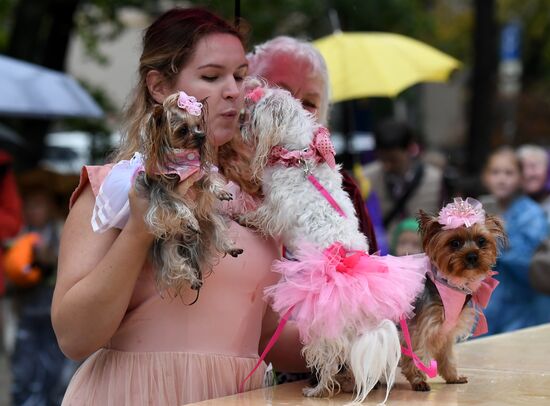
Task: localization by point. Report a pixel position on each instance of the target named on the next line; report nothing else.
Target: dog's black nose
(471, 258)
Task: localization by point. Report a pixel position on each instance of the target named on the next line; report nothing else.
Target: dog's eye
(183, 130)
(481, 241)
(455, 244)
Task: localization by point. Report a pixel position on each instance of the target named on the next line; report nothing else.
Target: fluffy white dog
(344, 301)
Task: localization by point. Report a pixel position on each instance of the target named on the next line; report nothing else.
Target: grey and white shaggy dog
(184, 189)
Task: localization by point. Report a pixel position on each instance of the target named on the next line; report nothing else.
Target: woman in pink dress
(141, 347)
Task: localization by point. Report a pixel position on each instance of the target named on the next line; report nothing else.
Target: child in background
(405, 238)
(514, 303)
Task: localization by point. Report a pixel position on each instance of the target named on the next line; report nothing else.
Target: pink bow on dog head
(461, 212)
(323, 146)
(189, 104)
(255, 95)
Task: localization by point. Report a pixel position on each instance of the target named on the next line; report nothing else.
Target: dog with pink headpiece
(345, 302)
(462, 244)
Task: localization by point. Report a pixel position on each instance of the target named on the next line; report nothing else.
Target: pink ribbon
(321, 149)
(431, 370)
(189, 104)
(346, 261)
(255, 95)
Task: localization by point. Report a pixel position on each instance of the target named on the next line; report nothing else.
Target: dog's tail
(374, 355)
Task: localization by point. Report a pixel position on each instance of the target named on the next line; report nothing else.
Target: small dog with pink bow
(173, 169)
(345, 302)
(462, 244)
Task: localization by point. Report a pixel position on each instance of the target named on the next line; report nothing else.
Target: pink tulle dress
(166, 352)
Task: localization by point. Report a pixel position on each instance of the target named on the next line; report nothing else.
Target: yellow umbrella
(371, 64)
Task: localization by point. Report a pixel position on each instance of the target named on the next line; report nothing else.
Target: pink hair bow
(461, 212)
(255, 95)
(189, 104)
(323, 146)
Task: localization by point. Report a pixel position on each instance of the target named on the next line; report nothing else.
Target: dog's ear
(496, 227)
(157, 140)
(428, 227)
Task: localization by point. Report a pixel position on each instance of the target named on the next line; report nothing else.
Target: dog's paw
(458, 380)
(421, 386)
(235, 252)
(224, 195)
(196, 285)
(313, 392)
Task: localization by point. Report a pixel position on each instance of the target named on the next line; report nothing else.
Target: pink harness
(454, 299)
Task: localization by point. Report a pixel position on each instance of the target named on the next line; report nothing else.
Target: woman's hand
(139, 204)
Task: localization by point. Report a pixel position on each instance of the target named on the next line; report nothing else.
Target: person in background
(514, 304)
(401, 181)
(298, 67)
(40, 371)
(536, 184)
(534, 161)
(405, 238)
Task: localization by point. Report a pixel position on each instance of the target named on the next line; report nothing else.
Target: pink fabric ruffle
(334, 289)
(118, 378)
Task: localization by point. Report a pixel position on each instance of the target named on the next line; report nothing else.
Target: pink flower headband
(189, 104)
(255, 95)
(461, 212)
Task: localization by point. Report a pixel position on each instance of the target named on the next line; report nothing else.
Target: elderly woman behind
(299, 68)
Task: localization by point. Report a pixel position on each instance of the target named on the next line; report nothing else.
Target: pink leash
(326, 195)
(431, 371)
(268, 347)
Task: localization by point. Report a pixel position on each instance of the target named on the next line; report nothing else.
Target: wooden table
(506, 369)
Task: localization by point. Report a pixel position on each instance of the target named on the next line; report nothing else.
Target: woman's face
(295, 77)
(215, 73)
(534, 173)
(502, 176)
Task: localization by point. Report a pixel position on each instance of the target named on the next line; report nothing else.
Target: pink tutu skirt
(329, 291)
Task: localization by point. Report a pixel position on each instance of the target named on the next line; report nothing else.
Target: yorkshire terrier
(183, 188)
(461, 243)
(344, 301)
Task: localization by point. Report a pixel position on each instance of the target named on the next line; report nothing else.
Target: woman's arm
(96, 276)
(286, 353)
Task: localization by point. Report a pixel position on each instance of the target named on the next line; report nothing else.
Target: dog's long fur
(464, 256)
(188, 228)
(294, 210)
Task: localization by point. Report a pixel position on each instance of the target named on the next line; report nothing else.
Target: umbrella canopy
(28, 90)
(372, 64)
